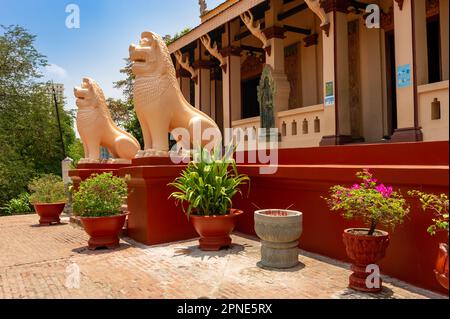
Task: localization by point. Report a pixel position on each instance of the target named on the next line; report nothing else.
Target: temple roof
(213, 19)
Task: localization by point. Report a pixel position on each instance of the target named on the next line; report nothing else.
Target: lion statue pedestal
(161, 108)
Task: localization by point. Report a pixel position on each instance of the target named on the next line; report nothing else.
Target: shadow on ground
(52, 225)
(195, 252)
(299, 266)
(348, 293)
(99, 251)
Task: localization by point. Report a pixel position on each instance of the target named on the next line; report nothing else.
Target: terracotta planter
(215, 230)
(441, 269)
(279, 230)
(103, 231)
(364, 250)
(49, 213)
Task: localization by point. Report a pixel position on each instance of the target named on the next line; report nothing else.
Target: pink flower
(383, 190)
(356, 186)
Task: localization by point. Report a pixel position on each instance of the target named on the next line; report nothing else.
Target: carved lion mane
(159, 103)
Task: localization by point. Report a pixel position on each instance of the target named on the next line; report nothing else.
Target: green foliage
(18, 205)
(100, 195)
(168, 39)
(369, 201)
(208, 185)
(47, 189)
(123, 112)
(438, 204)
(29, 137)
(75, 151)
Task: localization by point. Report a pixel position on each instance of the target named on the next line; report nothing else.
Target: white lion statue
(160, 106)
(96, 127)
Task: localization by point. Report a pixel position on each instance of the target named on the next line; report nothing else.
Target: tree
(76, 151)
(29, 134)
(124, 109)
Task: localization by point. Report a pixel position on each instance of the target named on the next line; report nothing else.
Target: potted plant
(375, 204)
(98, 203)
(207, 185)
(48, 196)
(438, 204)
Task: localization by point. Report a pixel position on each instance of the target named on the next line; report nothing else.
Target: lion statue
(96, 127)
(160, 106)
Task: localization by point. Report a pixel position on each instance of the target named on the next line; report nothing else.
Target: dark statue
(266, 93)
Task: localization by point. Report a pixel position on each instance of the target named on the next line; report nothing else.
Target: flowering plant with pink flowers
(372, 202)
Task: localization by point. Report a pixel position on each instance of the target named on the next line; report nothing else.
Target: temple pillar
(231, 84)
(337, 128)
(410, 30)
(308, 71)
(184, 80)
(215, 77)
(275, 34)
(203, 85)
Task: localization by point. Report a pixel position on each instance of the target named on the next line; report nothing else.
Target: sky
(107, 27)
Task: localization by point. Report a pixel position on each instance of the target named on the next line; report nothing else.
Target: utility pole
(59, 121)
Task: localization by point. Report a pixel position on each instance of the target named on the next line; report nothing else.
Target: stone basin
(279, 231)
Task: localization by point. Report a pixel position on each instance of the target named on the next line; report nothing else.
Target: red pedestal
(153, 218)
(84, 171)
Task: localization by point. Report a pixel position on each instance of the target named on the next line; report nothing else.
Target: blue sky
(107, 27)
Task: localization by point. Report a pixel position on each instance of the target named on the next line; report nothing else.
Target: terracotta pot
(364, 250)
(215, 230)
(279, 230)
(49, 213)
(441, 269)
(103, 231)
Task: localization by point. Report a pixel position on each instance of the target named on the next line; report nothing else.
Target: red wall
(412, 251)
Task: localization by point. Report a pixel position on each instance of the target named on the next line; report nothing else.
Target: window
(433, 45)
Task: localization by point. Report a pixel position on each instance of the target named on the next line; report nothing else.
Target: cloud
(53, 70)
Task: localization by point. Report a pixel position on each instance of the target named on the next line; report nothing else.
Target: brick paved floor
(34, 260)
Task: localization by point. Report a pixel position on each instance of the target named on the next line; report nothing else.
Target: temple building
(345, 71)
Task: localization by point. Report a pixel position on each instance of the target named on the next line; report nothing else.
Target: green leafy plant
(100, 195)
(47, 189)
(18, 205)
(207, 185)
(438, 204)
(369, 201)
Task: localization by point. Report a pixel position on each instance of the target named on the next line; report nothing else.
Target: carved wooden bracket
(214, 51)
(255, 29)
(387, 20)
(400, 4)
(311, 40)
(184, 62)
(315, 6)
(326, 28)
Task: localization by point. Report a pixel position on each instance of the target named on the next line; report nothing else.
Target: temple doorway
(251, 70)
(250, 105)
(391, 82)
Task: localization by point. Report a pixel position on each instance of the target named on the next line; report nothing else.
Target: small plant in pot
(438, 204)
(375, 204)
(207, 185)
(98, 202)
(48, 197)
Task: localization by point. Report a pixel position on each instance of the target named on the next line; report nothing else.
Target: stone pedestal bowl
(279, 231)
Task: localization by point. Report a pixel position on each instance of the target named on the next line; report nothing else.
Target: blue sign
(329, 100)
(404, 76)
